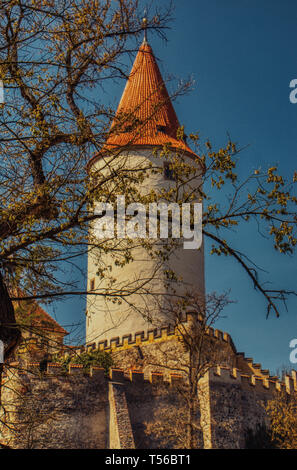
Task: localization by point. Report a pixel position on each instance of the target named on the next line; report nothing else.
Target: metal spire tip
(144, 24)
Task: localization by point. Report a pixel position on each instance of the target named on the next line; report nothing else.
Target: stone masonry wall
(55, 410)
(233, 404)
(120, 429)
(129, 410)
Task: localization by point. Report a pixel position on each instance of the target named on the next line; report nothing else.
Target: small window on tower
(92, 284)
(168, 172)
(128, 128)
(161, 128)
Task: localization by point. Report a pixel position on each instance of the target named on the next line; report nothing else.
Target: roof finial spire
(144, 25)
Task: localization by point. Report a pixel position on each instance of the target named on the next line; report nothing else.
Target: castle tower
(145, 121)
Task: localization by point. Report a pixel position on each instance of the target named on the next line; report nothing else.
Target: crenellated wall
(54, 409)
(234, 403)
(142, 403)
(130, 409)
(74, 409)
(144, 337)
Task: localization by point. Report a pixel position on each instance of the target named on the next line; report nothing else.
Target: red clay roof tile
(145, 115)
(43, 320)
(36, 314)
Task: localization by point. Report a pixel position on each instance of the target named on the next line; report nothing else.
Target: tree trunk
(191, 425)
(9, 331)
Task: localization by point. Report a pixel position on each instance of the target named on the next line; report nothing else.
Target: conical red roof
(145, 115)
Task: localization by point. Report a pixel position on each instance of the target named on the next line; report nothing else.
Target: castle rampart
(76, 409)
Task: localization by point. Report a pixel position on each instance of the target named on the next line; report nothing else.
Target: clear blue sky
(242, 55)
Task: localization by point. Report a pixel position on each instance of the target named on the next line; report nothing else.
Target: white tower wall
(148, 307)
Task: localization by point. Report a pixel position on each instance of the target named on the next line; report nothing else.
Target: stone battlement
(163, 333)
(248, 365)
(253, 382)
(133, 401)
(217, 374)
(114, 374)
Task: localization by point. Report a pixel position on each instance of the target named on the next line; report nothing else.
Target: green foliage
(88, 359)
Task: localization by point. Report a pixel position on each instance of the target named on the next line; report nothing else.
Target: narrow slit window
(161, 128)
(92, 284)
